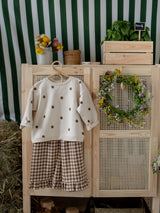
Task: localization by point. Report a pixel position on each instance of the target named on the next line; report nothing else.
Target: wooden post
(26, 85)
(139, 35)
(155, 205)
(156, 200)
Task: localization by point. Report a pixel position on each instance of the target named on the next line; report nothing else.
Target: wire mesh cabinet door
(122, 154)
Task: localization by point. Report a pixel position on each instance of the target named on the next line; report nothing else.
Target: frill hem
(69, 187)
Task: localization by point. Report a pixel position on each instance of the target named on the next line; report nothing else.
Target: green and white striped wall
(79, 24)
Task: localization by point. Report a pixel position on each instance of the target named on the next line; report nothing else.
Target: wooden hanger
(57, 72)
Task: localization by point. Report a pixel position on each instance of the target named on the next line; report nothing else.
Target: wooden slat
(124, 133)
(96, 133)
(155, 125)
(125, 69)
(56, 193)
(128, 58)
(122, 193)
(128, 46)
(155, 205)
(47, 69)
(26, 137)
(88, 136)
(78, 69)
(158, 178)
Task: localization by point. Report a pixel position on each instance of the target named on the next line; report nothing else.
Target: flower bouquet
(44, 47)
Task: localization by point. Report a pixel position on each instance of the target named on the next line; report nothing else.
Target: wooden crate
(128, 52)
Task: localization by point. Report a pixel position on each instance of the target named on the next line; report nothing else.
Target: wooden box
(128, 52)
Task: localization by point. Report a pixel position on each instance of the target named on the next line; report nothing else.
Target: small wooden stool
(72, 210)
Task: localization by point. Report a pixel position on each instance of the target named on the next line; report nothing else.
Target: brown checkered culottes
(59, 165)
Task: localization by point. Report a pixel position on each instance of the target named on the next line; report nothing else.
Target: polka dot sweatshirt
(57, 110)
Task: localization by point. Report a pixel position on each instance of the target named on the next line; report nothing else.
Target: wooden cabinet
(118, 158)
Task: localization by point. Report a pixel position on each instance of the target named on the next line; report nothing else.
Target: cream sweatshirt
(60, 110)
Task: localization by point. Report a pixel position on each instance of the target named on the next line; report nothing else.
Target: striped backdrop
(79, 24)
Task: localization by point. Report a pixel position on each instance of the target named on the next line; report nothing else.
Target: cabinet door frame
(152, 134)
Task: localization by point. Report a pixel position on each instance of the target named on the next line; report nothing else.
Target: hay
(10, 168)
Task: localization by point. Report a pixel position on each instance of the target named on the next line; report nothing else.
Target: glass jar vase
(46, 57)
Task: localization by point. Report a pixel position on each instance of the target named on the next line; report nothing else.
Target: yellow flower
(110, 116)
(139, 87)
(118, 71)
(135, 79)
(128, 120)
(43, 45)
(46, 39)
(101, 101)
(146, 112)
(59, 47)
(42, 35)
(39, 51)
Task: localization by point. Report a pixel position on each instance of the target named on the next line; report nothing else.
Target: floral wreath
(142, 98)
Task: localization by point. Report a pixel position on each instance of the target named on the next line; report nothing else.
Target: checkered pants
(58, 165)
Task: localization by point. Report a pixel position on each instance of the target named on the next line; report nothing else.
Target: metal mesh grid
(37, 78)
(123, 163)
(125, 101)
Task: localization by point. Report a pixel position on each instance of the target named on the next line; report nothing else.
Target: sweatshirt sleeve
(86, 108)
(31, 106)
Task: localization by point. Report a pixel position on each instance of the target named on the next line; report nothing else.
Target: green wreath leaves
(141, 96)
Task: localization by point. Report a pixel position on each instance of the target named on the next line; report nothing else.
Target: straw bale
(10, 168)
